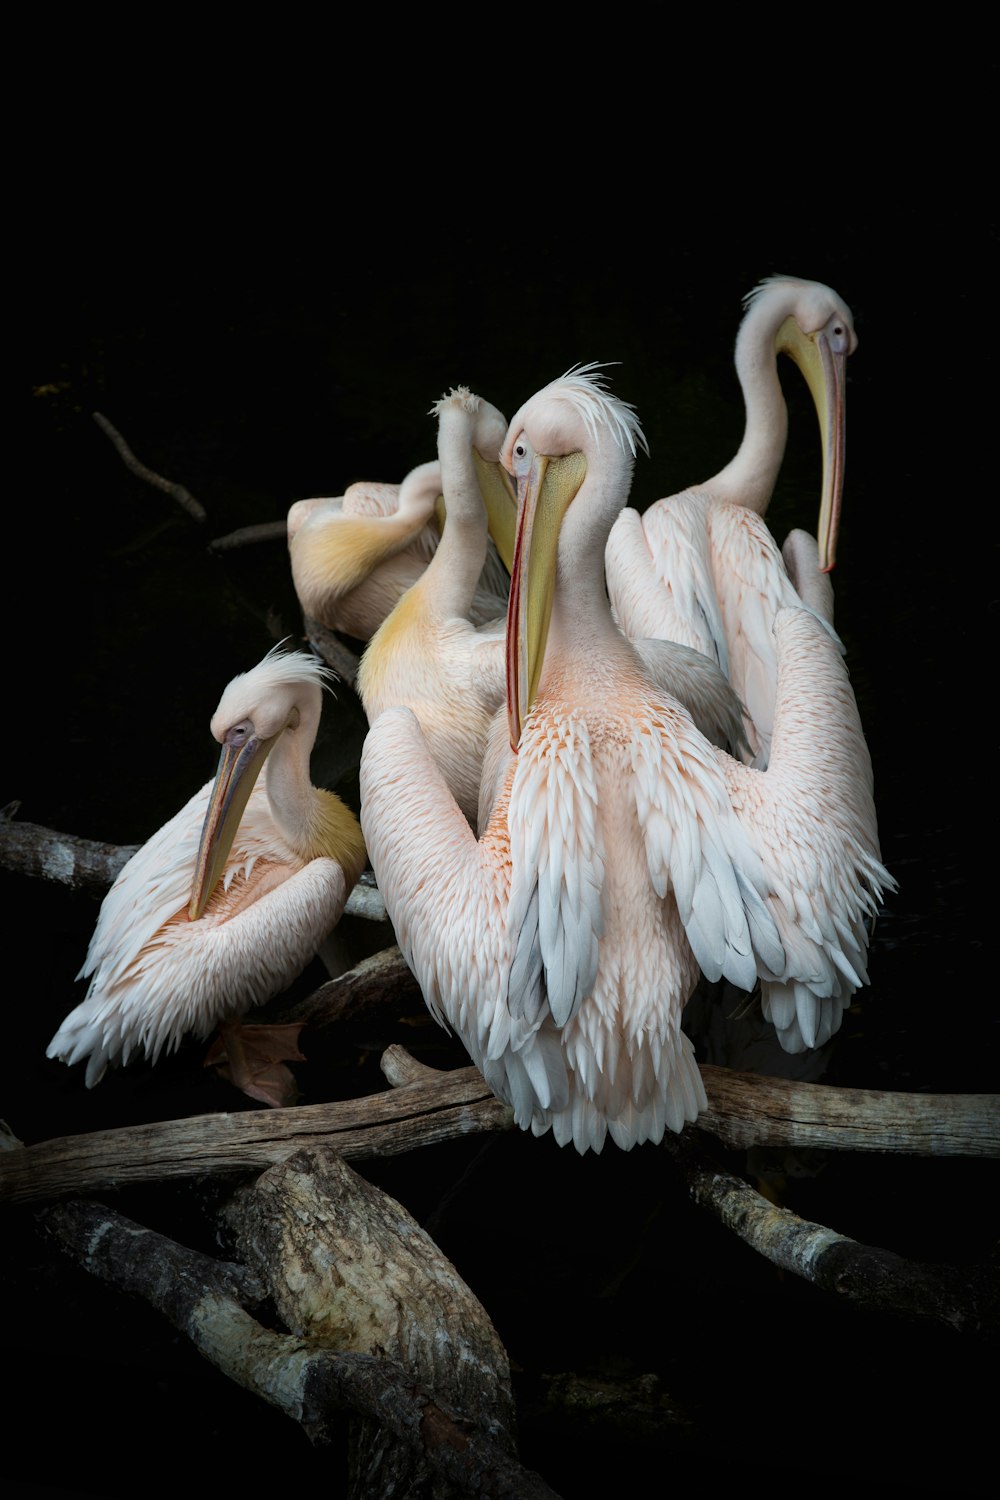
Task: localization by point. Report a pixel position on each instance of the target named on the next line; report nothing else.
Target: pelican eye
(239, 733)
(840, 338)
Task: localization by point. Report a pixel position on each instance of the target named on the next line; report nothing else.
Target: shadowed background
(255, 381)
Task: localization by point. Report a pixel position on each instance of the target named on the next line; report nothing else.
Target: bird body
(354, 556)
(623, 853)
(702, 567)
(225, 905)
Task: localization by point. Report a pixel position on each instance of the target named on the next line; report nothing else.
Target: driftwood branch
(966, 1299)
(183, 497)
(300, 1375)
(387, 1124)
(431, 1106)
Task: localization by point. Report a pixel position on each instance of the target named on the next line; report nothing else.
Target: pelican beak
(240, 764)
(545, 492)
(500, 498)
(824, 370)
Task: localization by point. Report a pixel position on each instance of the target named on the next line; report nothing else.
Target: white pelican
(623, 853)
(702, 566)
(428, 654)
(353, 557)
(227, 903)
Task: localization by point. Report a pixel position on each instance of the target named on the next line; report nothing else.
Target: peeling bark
(348, 1267)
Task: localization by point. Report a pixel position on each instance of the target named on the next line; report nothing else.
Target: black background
(268, 345)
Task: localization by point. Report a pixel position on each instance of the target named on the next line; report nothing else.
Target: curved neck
(581, 612)
(454, 570)
(289, 789)
(748, 479)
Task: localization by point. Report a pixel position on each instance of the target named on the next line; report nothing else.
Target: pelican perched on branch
(624, 854)
(228, 902)
(702, 566)
(353, 557)
(428, 654)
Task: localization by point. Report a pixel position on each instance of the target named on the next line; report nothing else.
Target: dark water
(256, 390)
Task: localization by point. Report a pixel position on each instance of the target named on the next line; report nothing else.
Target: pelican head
(815, 328)
(282, 693)
(568, 429)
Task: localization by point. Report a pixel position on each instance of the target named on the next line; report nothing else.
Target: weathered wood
(299, 1375)
(349, 1268)
(966, 1299)
(388, 1124)
(82, 864)
(332, 649)
(436, 1106)
(375, 983)
(750, 1109)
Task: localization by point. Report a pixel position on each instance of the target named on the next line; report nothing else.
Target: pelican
(702, 566)
(428, 654)
(227, 903)
(624, 854)
(354, 556)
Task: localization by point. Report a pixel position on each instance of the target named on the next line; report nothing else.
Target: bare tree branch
(966, 1299)
(332, 650)
(177, 491)
(249, 536)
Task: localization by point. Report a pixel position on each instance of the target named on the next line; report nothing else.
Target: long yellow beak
(544, 495)
(500, 498)
(239, 766)
(824, 370)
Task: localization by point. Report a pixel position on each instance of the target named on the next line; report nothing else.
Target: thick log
(299, 1375)
(349, 1268)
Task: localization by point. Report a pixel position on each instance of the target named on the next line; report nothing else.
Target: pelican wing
(660, 578)
(697, 682)
(555, 918)
(198, 972)
(811, 819)
(442, 894)
(696, 850)
(752, 584)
